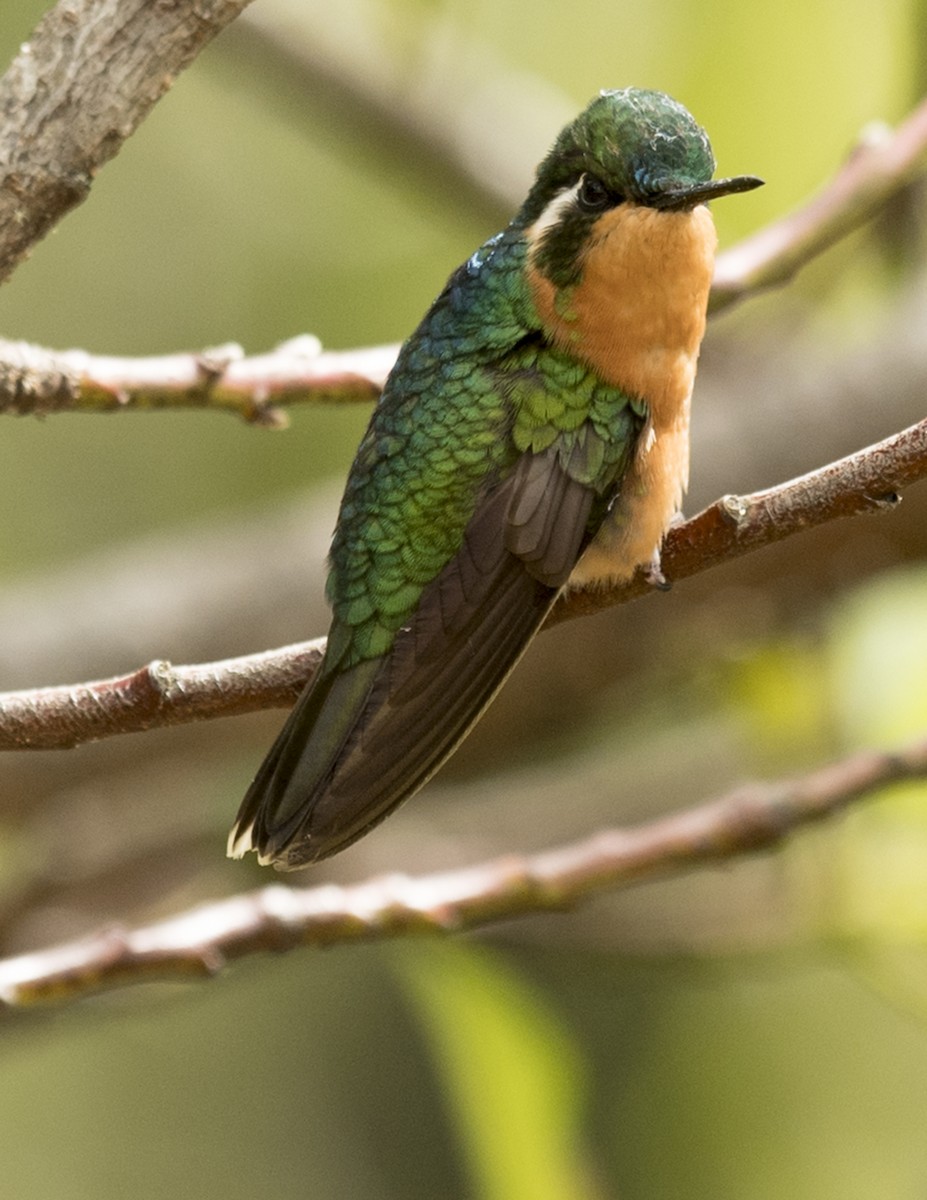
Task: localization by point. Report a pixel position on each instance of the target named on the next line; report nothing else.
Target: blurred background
(754, 1032)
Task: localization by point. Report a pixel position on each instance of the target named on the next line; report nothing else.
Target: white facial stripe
(553, 212)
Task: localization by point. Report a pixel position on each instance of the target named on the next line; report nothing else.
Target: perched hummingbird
(533, 435)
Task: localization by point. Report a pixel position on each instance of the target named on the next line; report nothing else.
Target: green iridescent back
(474, 387)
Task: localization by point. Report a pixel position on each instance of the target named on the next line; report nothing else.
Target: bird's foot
(653, 573)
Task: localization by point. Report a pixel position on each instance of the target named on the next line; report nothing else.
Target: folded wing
(363, 739)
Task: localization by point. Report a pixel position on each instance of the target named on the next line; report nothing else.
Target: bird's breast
(637, 316)
(637, 313)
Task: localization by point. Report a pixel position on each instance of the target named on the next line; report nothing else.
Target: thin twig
(869, 481)
(38, 381)
(199, 943)
(883, 163)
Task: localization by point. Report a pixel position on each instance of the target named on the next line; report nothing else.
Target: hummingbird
(533, 436)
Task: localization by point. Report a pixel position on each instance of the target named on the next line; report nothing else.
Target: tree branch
(82, 84)
(199, 943)
(882, 164)
(156, 695)
(159, 694)
(36, 380)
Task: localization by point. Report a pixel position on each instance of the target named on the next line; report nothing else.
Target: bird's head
(631, 147)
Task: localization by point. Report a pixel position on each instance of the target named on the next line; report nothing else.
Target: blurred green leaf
(779, 693)
(878, 679)
(512, 1073)
(879, 660)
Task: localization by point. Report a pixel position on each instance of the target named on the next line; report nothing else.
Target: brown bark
(85, 80)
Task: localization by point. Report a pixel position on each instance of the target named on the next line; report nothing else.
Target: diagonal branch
(156, 695)
(159, 694)
(199, 943)
(82, 84)
(882, 165)
(436, 115)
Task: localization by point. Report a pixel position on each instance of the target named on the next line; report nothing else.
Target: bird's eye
(594, 196)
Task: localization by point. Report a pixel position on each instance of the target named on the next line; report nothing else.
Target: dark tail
(364, 738)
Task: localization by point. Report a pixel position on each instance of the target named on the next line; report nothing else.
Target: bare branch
(36, 380)
(881, 165)
(199, 943)
(868, 481)
(88, 76)
(155, 695)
